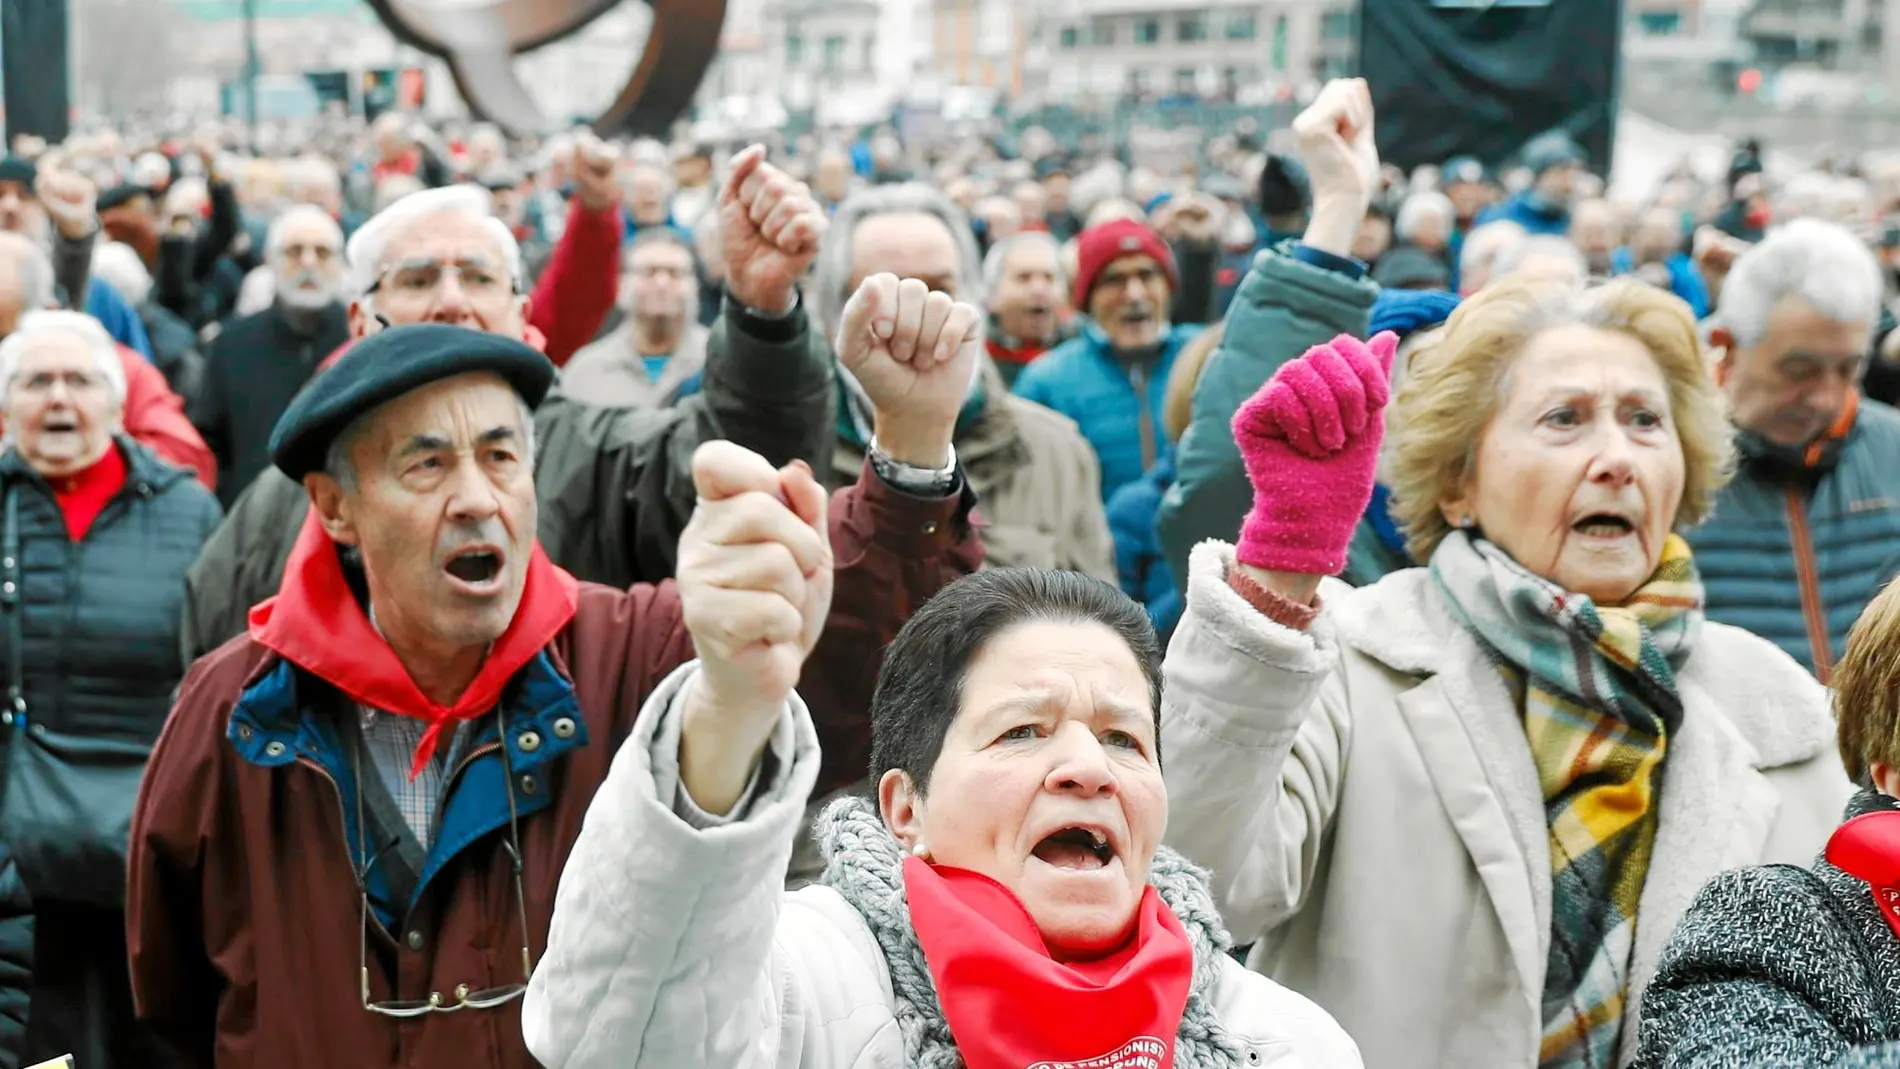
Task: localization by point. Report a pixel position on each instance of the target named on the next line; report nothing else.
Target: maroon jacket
(243, 914)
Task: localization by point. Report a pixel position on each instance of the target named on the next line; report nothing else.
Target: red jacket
(578, 286)
(243, 916)
(155, 417)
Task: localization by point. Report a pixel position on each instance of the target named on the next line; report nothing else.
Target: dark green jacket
(1284, 307)
(615, 486)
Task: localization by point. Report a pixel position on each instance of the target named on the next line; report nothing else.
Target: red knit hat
(1099, 246)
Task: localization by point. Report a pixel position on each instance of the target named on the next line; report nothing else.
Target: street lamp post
(250, 71)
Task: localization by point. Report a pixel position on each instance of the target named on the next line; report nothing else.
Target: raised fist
(593, 168)
(771, 228)
(754, 578)
(1310, 439)
(1335, 142)
(915, 353)
(70, 200)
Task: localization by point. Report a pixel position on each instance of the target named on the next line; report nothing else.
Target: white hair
(1417, 207)
(36, 326)
(1821, 263)
(274, 237)
(997, 261)
(308, 171)
(831, 274)
(257, 292)
(119, 266)
(371, 241)
(1485, 244)
(1514, 256)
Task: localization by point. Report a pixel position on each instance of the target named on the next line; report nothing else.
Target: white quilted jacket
(674, 946)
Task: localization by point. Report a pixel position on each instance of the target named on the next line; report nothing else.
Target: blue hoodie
(104, 304)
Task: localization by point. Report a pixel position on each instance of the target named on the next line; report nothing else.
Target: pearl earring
(921, 852)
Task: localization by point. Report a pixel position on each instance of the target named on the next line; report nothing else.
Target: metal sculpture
(479, 42)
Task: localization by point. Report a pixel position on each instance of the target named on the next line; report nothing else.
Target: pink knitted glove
(1310, 439)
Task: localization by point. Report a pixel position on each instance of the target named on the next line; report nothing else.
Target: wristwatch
(915, 481)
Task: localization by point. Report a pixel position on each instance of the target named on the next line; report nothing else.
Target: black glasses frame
(462, 997)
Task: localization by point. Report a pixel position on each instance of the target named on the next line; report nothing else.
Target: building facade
(1237, 49)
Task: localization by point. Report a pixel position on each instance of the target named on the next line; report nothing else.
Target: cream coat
(1367, 801)
(673, 945)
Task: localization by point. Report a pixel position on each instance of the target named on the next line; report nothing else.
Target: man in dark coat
(16, 960)
(349, 825)
(259, 362)
(615, 487)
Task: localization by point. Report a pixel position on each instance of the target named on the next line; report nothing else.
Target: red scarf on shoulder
(1868, 847)
(83, 495)
(1010, 1005)
(315, 623)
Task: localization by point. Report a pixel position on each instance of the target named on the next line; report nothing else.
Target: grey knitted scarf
(865, 864)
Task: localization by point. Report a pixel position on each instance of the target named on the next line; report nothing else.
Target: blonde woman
(1463, 808)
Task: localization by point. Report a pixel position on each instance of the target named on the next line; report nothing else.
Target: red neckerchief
(83, 495)
(1868, 848)
(1010, 1005)
(1843, 425)
(315, 623)
(1022, 357)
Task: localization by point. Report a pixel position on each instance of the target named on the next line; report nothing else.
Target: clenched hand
(770, 228)
(755, 574)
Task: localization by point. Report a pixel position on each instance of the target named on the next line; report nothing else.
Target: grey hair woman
(96, 534)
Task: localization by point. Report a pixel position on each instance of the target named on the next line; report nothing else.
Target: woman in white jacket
(1005, 904)
(1462, 809)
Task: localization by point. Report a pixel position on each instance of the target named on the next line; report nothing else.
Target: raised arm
(1295, 297)
(576, 289)
(901, 533)
(661, 948)
(1256, 721)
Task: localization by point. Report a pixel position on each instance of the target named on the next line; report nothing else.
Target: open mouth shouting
(476, 570)
(1604, 526)
(1076, 848)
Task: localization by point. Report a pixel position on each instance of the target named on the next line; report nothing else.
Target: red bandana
(1010, 1005)
(83, 495)
(1021, 357)
(315, 623)
(1868, 847)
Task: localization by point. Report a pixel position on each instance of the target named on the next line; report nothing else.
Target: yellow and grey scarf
(1597, 689)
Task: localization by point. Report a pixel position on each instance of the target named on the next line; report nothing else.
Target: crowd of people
(988, 602)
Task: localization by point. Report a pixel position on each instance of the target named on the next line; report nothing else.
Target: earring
(920, 852)
(1466, 523)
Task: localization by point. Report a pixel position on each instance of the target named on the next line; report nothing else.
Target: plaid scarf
(1597, 689)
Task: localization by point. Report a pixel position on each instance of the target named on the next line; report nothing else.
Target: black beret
(118, 196)
(19, 169)
(388, 364)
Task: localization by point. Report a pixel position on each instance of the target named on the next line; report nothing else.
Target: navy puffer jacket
(1797, 546)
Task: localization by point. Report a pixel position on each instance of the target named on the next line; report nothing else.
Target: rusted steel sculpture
(480, 43)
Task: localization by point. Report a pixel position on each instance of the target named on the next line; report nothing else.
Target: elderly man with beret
(615, 486)
(347, 846)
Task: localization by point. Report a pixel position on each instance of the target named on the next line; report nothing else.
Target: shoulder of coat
(1776, 706)
(1399, 621)
(1044, 425)
(820, 928)
(1269, 1018)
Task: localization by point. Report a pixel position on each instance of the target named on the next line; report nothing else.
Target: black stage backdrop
(33, 67)
(1479, 78)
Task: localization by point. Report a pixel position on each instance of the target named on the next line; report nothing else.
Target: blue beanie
(1409, 311)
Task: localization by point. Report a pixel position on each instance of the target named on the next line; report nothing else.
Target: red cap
(1101, 245)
